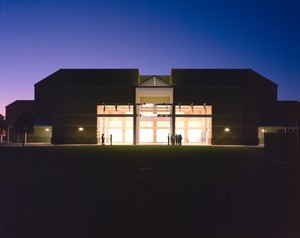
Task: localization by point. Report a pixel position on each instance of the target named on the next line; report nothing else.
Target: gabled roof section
(154, 81)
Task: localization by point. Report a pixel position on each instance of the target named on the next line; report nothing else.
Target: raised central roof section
(154, 81)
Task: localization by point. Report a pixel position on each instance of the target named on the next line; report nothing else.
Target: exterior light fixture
(116, 107)
(192, 106)
(227, 129)
(80, 129)
(179, 105)
(47, 129)
(129, 106)
(263, 130)
(104, 107)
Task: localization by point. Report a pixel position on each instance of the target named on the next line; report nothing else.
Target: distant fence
(282, 147)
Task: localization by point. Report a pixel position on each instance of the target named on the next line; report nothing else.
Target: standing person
(110, 139)
(176, 139)
(179, 139)
(169, 139)
(172, 139)
(102, 139)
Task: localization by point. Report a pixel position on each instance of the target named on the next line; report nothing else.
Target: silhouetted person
(172, 139)
(169, 139)
(102, 139)
(110, 139)
(176, 139)
(179, 139)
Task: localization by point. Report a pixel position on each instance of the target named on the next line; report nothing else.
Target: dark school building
(204, 106)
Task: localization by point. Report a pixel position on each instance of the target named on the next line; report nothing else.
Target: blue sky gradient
(38, 37)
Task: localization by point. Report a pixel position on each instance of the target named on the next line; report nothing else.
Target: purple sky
(39, 37)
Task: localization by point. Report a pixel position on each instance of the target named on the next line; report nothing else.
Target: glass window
(194, 129)
(194, 124)
(129, 135)
(116, 135)
(146, 124)
(146, 135)
(163, 124)
(162, 135)
(179, 123)
(115, 123)
(129, 124)
(194, 135)
(121, 129)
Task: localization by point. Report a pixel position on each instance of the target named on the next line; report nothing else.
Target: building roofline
(18, 101)
(149, 78)
(227, 70)
(84, 69)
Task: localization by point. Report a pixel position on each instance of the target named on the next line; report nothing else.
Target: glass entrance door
(153, 123)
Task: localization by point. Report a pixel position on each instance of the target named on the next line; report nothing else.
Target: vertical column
(154, 131)
(173, 119)
(186, 126)
(123, 119)
(134, 125)
(154, 124)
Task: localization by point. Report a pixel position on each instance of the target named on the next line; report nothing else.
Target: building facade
(204, 106)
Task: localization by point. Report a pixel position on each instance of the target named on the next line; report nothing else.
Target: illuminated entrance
(153, 123)
(154, 117)
(116, 121)
(194, 123)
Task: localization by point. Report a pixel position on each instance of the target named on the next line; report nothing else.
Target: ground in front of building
(143, 191)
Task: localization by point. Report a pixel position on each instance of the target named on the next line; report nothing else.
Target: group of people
(103, 139)
(174, 139)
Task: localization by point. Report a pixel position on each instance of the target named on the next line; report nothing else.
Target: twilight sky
(38, 37)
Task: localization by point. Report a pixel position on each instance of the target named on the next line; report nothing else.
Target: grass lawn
(141, 191)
